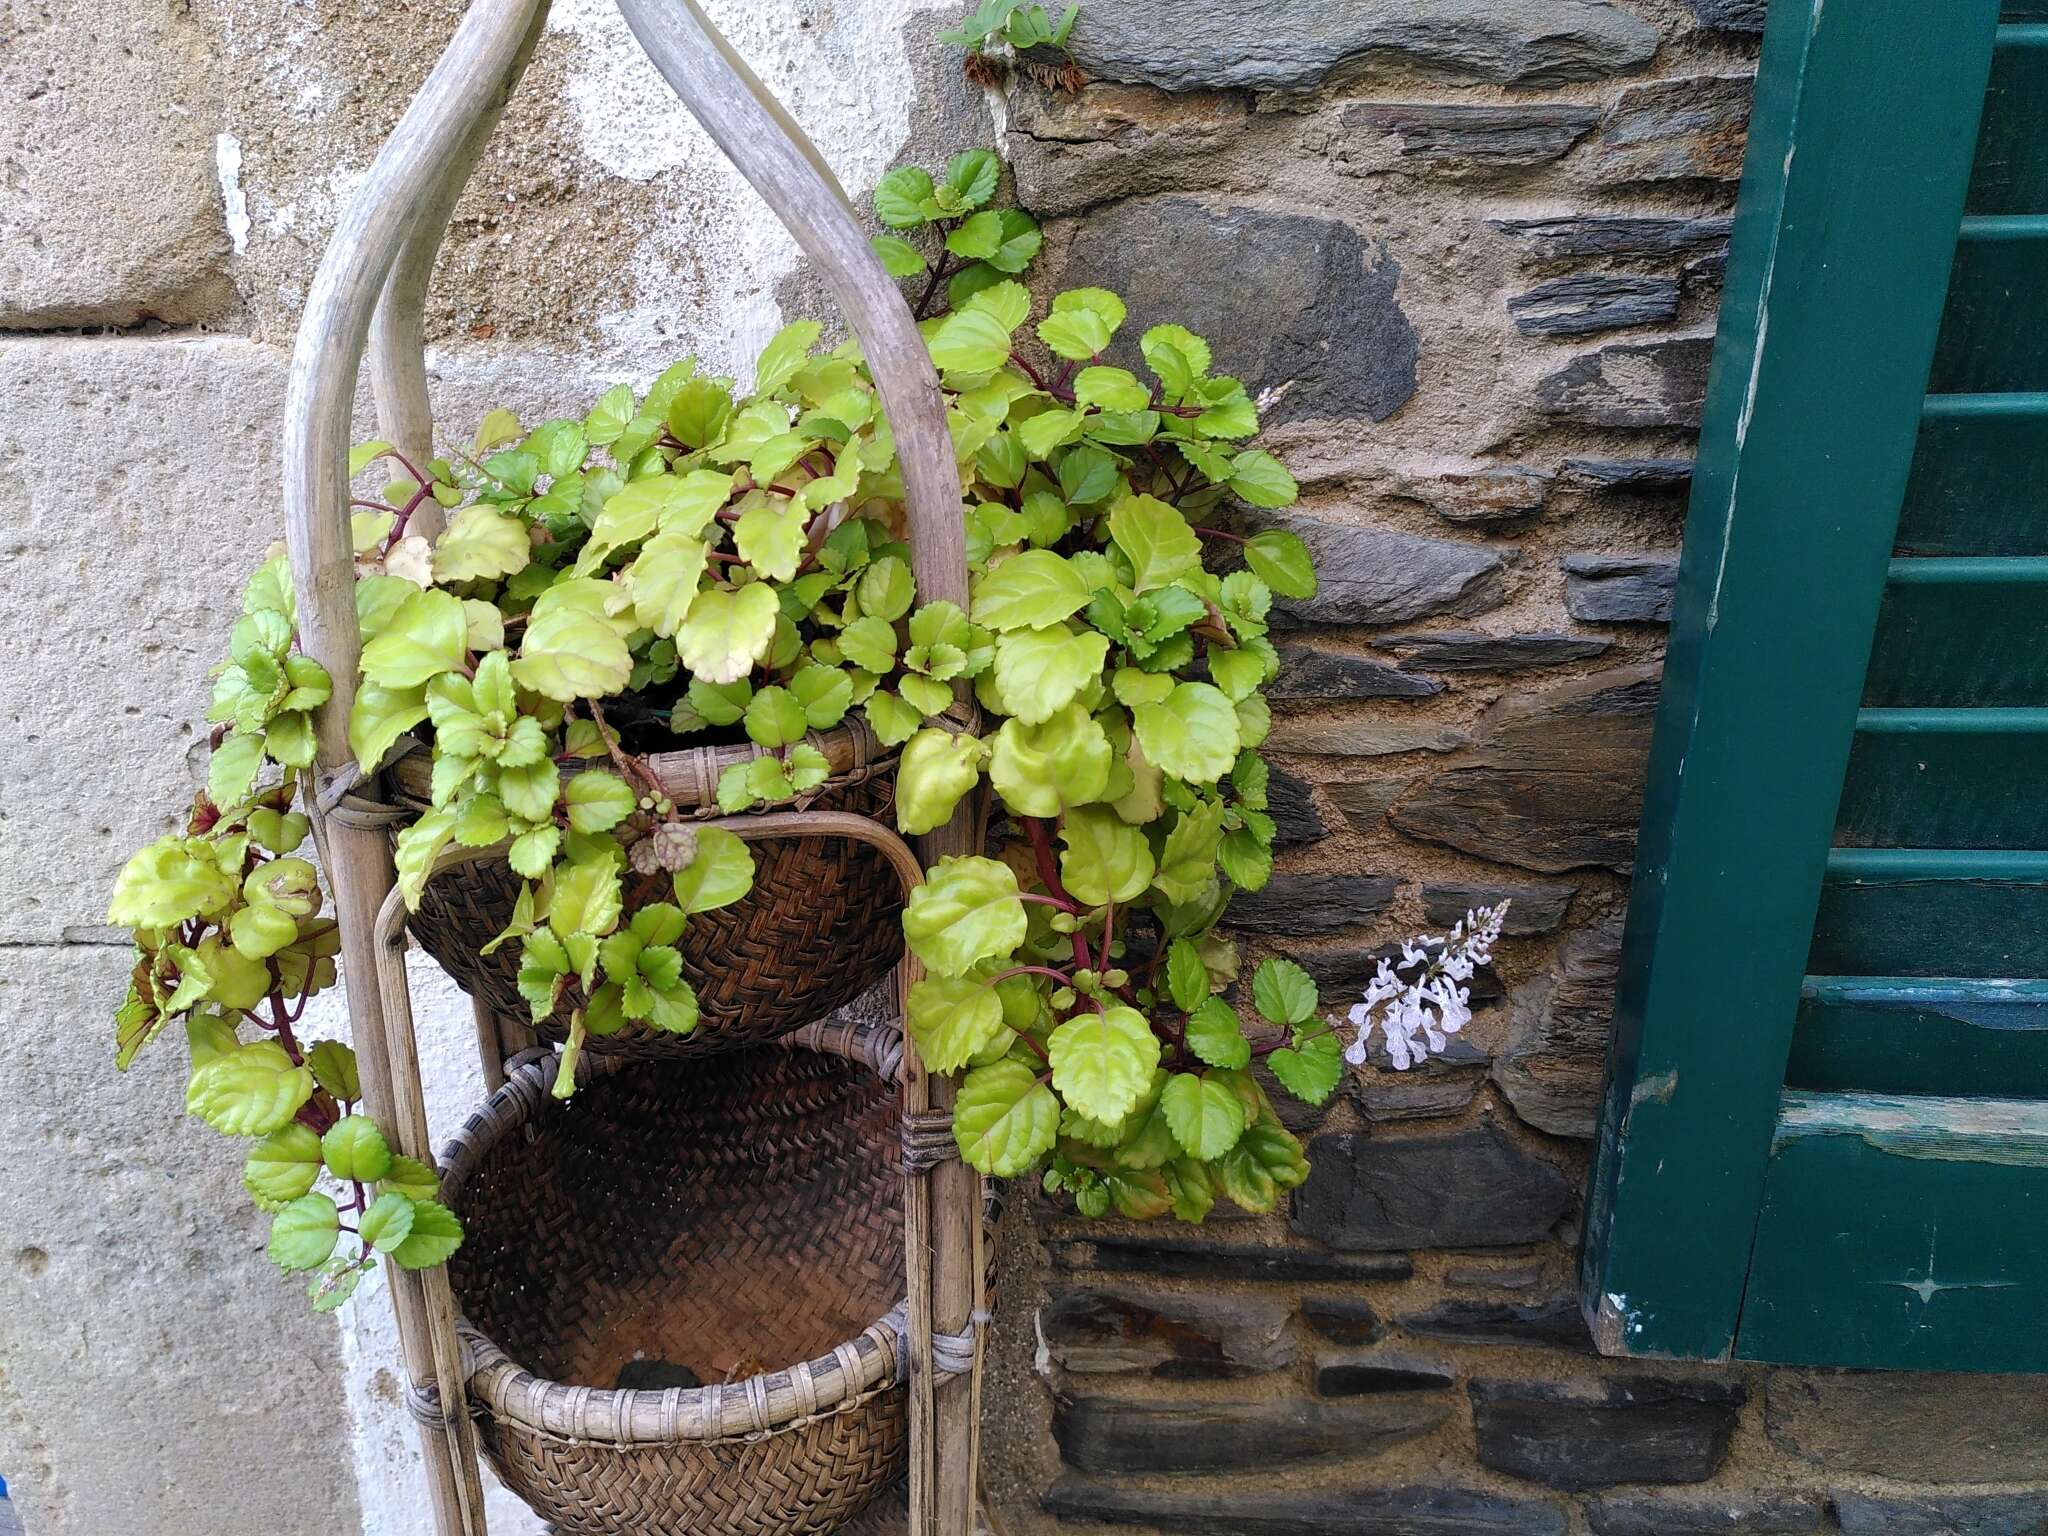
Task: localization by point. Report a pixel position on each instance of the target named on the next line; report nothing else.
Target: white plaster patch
(227, 161)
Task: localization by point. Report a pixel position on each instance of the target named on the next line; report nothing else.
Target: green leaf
(387, 1222)
(1044, 769)
(720, 874)
(1187, 979)
(775, 717)
(282, 1166)
(412, 1178)
(886, 589)
(304, 1233)
(1215, 1035)
(598, 800)
(979, 237)
(232, 769)
(972, 341)
(1236, 672)
(784, 355)
(378, 717)
(901, 197)
(333, 1066)
(936, 770)
(1246, 862)
(1206, 1116)
(727, 632)
(869, 643)
(892, 720)
(354, 1149)
(1004, 1119)
(572, 649)
(967, 911)
(426, 636)
(1039, 670)
(171, 880)
(1075, 335)
(435, 1235)
(1266, 1161)
(971, 175)
(1021, 241)
(1187, 857)
(1161, 546)
(250, 1091)
(608, 418)
(663, 580)
(1282, 561)
(1046, 431)
(363, 455)
(587, 898)
(1311, 1068)
(481, 544)
(1099, 302)
(1110, 389)
(1029, 590)
(1262, 480)
(952, 1018)
(1192, 734)
(1103, 1062)
(898, 256)
(825, 693)
(1283, 992)
(1104, 858)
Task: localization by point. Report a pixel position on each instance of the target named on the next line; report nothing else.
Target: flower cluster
(1430, 999)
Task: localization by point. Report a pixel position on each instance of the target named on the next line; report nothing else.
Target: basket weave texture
(820, 926)
(736, 1218)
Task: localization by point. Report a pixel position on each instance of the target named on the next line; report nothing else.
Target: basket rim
(877, 1359)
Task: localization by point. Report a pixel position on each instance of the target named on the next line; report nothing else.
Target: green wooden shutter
(1826, 1134)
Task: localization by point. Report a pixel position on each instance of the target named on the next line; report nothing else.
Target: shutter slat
(1960, 632)
(1955, 912)
(1945, 1035)
(1979, 483)
(1994, 330)
(1946, 779)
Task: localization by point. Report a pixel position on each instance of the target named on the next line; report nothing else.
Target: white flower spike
(1430, 1001)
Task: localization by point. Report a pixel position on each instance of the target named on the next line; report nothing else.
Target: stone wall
(1468, 251)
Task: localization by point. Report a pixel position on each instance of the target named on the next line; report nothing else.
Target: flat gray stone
(1583, 306)
(1360, 738)
(1620, 589)
(1553, 1067)
(1914, 1426)
(1341, 1320)
(1295, 45)
(1109, 143)
(1321, 328)
(1729, 15)
(1294, 904)
(1203, 1258)
(1469, 1189)
(1464, 650)
(1364, 803)
(111, 211)
(1959, 1514)
(1553, 781)
(1689, 129)
(1552, 1324)
(1520, 1277)
(1372, 1510)
(1632, 384)
(1731, 1514)
(1577, 1439)
(1370, 575)
(1533, 909)
(1571, 236)
(1455, 141)
(1353, 1374)
(1311, 672)
(1111, 1435)
(1163, 1335)
(1291, 803)
(132, 1284)
(1489, 497)
(1633, 474)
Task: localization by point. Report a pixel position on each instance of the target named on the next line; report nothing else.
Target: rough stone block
(1729, 15)
(132, 1283)
(1163, 1335)
(1291, 803)
(1464, 650)
(1489, 496)
(1633, 474)
(1470, 1189)
(1572, 236)
(1360, 1375)
(112, 210)
(1361, 1511)
(1109, 143)
(1552, 782)
(1602, 301)
(1959, 1514)
(1576, 1439)
(1380, 576)
(1360, 738)
(1310, 672)
(1110, 1435)
(1553, 1067)
(1632, 384)
(1689, 129)
(1913, 1426)
(1295, 45)
(151, 516)
(1364, 803)
(1733, 1514)
(1206, 1259)
(1533, 909)
(1322, 326)
(1455, 141)
(1620, 589)
(1309, 903)
(1552, 1324)
(1475, 1277)
(1341, 1319)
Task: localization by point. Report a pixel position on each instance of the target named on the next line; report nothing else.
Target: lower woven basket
(682, 1288)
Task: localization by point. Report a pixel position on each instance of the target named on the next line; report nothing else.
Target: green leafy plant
(1019, 23)
(969, 246)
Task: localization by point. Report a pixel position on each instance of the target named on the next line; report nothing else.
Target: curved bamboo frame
(369, 294)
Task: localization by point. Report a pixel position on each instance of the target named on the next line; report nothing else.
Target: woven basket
(820, 926)
(736, 1218)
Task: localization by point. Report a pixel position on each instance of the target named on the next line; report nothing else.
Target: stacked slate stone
(1468, 255)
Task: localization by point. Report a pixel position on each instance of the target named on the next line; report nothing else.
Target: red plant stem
(1031, 970)
(1218, 533)
(1048, 901)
